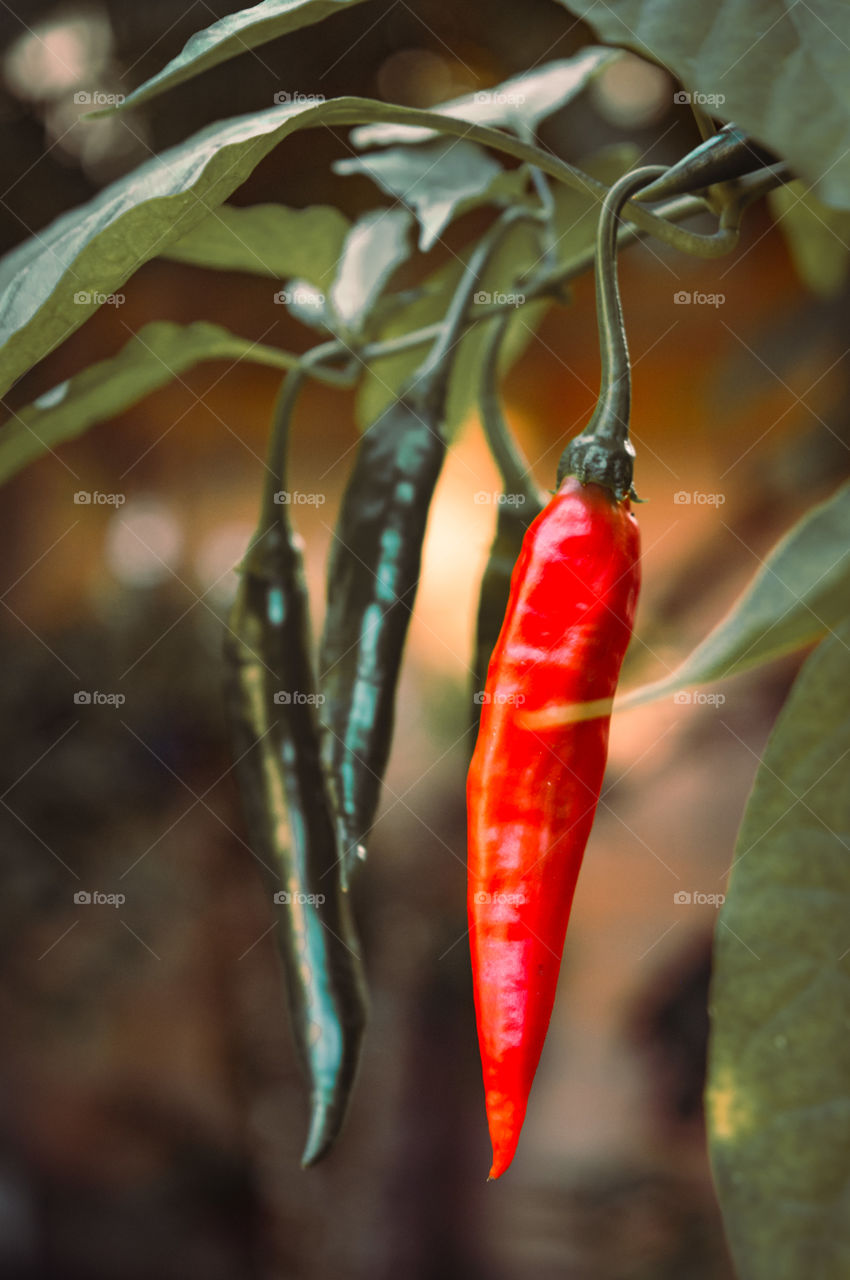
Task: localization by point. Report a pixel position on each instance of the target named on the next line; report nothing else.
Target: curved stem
(431, 378)
(513, 468)
(549, 284)
(603, 452)
(275, 482)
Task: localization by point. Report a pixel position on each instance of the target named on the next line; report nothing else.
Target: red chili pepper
(536, 774)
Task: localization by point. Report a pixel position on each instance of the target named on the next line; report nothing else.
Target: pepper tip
(321, 1135)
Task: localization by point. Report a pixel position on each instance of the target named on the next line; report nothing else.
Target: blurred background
(152, 1112)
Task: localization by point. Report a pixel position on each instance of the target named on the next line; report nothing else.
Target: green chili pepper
(521, 504)
(728, 154)
(374, 569)
(271, 699)
(373, 575)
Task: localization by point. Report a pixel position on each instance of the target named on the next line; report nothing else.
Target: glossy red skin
(531, 792)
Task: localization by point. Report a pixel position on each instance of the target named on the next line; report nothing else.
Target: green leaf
(376, 244)
(575, 232)
(267, 240)
(818, 238)
(438, 181)
(93, 250)
(778, 1097)
(234, 34)
(778, 69)
(156, 355)
(799, 594)
(518, 104)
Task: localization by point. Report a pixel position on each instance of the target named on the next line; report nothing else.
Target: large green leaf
(518, 104)
(267, 240)
(778, 1096)
(439, 181)
(777, 67)
(154, 356)
(234, 34)
(799, 594)
(93, 250)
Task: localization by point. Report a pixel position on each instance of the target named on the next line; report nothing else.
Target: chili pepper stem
(603, 452)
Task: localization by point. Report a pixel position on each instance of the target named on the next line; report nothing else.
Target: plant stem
(513, 467)
(275, 481)
(603, 453)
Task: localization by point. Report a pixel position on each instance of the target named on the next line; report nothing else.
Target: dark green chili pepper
(730, 153)
(521, 504)
(271, 699)
(373, 572)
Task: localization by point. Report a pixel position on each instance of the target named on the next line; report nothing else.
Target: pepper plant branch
(548, 284)
(357, 111)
